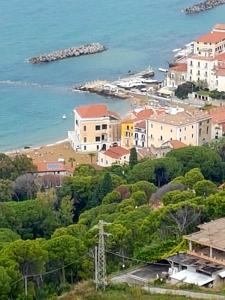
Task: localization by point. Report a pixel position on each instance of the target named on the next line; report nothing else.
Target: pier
(66, 53)
(203, 6)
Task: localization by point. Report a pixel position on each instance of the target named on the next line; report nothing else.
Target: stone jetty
(66, 53)
(202, 6)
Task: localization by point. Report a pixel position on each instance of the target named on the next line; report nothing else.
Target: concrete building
(204, 262)
(191, 127)
(95, 128)
(133, 127)
(114, 155)
(218, 122)
(176, 75)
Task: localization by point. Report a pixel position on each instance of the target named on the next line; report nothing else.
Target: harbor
(88, 49)
(130, 86)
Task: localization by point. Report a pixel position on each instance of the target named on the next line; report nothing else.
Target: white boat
(149, 80)
(163, 70)
(177, 49)
(64, 117)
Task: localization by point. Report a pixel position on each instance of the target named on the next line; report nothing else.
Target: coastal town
(130, 205)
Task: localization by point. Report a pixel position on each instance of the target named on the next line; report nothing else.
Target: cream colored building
(95, 128)
(114, 155)
(176, 75)
(191, 127)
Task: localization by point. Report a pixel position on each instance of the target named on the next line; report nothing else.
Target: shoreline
(32, 148)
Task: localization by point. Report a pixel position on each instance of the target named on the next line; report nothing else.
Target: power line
(135, 259)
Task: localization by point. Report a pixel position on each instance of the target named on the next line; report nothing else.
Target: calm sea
(33, 98)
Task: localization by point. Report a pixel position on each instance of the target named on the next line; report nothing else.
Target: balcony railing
(213, 259)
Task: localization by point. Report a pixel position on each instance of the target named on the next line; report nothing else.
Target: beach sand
(53, 152)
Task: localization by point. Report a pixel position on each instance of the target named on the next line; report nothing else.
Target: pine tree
(106, 184)
(133, 157)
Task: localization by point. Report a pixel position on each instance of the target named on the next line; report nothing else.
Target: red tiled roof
(220, 72)
(177, 144)
(182, 67)
(211, 37)
(94, 111)
(141, 124)
(144, 114)
(218, 115)
(220, 56)
(43, 167)
(116, 152)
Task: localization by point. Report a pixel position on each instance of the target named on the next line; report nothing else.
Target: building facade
(95, 128)
(192, 127)
(114, 155)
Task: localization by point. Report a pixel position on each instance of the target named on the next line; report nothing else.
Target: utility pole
(100, 261)
(25, 285)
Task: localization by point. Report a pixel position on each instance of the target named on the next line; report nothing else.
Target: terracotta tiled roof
(116, 152)
(220, 72)
(94, 111)
(141, 124)
(182, 67)
(211, 37)
(218, 115)
(145, 152)
(43, 167)
(177, 144)
(144, 114)
(221, 56)
(181, 118)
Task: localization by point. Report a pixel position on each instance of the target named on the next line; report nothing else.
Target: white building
(114, 155)
(95, 128)
(140, 138)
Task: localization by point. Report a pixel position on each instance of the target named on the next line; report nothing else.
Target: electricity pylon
(100, 261)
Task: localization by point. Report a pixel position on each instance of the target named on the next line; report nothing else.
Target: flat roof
(211, 234)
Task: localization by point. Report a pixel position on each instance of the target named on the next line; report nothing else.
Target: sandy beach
(54, 152)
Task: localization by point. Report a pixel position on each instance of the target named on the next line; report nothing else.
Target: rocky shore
(66, 53)
(202, 6)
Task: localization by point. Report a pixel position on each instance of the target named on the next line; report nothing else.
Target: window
(191, 63)
(97, 139)
(85, 128)
(192, 126)
(85, 147)
(207, 130)
(106, 162)
(97, 147)
(191, 71)
(76, 122)
(180, 139)
(124, 157)
(97, 127)
(85, 139)
(206, 74)
(171, 130)
(180, 129)
(151, 125)
(198, 73)
(206, 65)
(101, 159)
(192, 135)
(151, 136)
(200, 123)
(161, 128)
(161, 138)
(198, 63)
(207, 121)
(104, 126)
(128, 127)
(200, 132)
(185, 138)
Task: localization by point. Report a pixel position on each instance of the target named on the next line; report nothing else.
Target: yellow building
(127, 133)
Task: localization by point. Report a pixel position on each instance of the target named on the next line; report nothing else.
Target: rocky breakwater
(66, 53)
(202, 6)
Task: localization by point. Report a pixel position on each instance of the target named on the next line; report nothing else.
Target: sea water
(33, 98)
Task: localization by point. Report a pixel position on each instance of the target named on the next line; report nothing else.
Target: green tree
(6, 190)
(205, 188)
(112, 197)
(139, 198)
(193, 176)
(65, 251)
(106, 186)
(145, 186)
(176, 196)
(5, 284)
(204, 158)
(23, 164)
(7, 236)
(66, 211)
(7, 170)
(133, 157)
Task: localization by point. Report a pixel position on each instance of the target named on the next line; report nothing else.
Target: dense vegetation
(47, 236)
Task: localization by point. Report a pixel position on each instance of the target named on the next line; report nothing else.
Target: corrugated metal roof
(192, 277)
